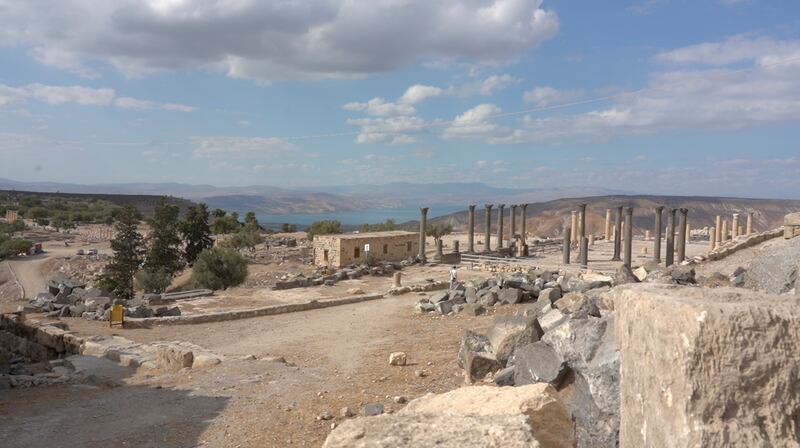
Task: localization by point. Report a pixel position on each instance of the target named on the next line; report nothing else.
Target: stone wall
(707, 367)
(383, 246)
(736, 245)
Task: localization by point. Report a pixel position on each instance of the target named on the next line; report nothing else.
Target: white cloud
(735, 49)
(70, 94)
(240, 146)
(488, 86)
(269, 41)
(419, 92)
(380, 108)
(543, 96)
(474, 122)
(393, 130)
(87, 96)
(717, 98)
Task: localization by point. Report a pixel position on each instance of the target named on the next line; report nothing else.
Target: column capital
(501, 205)
(423, 209)
(672, 211)
(629, 211)
(472, 207)
(684, 211)
(659, 208)
(524, 206)
(488, 206)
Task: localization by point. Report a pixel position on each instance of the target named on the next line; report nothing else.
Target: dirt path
(338, 357)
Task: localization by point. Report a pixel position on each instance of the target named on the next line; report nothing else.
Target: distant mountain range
(264, 199)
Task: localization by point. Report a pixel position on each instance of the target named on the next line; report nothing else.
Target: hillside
(548, 218)
(21, 200)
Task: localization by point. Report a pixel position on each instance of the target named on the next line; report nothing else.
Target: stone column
(488, 210)
(471, 230)
(500, 210)
(523, 224)
(573, 236)
(718, 225)
(682, 235)
(735, 226)
(397, 279)
(439, 250)
(455, 247)
(628, 236)
(749, 229)
(618, 236)
(688, 231)
(566, 245)
(608, 225)
(591, 239)
(423, 228)
(657, 240)
(584, 256)
(513, 231)
(724, 230)
(670, 237)
(712, 238)
(647, 235)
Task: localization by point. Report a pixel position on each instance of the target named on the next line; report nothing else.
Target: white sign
(366, 248)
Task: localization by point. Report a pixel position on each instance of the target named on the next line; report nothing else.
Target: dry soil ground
(336, 357)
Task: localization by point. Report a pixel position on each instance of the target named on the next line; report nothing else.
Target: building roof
(388, 233)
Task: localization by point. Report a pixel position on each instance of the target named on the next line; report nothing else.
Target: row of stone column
(500, 226)
(623, 244)
(721, 232)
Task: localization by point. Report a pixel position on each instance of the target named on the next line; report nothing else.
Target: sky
(647, 96)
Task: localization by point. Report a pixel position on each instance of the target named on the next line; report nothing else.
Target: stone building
(336, 251)
(11, 216)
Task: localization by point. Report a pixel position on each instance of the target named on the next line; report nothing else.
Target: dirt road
(337, 357)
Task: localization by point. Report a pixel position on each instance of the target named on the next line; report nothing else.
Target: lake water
(356, 218)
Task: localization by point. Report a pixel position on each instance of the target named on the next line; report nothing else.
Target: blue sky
(655, 96)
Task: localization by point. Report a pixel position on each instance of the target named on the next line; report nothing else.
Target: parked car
(79, 252)
(92, 252)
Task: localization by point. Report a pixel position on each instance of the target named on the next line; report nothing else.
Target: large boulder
(538, 403)
(708, 367)
(589, 349)
(624, 275)
(476, 357)
(428, 430)
(510, 296)
(509, 332)
(775, 268)
(550, 295)
(537, 363)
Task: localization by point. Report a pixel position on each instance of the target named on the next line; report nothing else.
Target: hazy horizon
(511, 93)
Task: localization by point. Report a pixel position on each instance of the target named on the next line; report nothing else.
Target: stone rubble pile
(70, 298)
(19, 373)
(348, 273)
(561, 334)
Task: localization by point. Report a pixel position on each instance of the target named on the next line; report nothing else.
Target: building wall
(11, 216)
(342, 251)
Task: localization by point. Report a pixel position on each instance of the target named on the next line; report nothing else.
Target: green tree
(223, 224)
(129, 249)
(153, 281)
(437, 231)
(288, 228)
(246, 238)
(328, 227)
(381, 227)
(196, 232)
(14, 246)
(219, 268)
(218, 213)
(250, 220)
(164, 251)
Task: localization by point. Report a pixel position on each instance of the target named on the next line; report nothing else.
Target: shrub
(219, 268)
(156, 281)
(323, 228)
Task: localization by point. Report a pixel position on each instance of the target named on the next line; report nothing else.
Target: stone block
(510, 296)
(550, 295)
(509, 332)
(537, 403)
(708, 367)
(537, 363)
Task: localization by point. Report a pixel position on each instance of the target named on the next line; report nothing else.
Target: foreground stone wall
(707, 367)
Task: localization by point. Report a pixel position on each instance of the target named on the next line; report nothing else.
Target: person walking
(453, 277)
